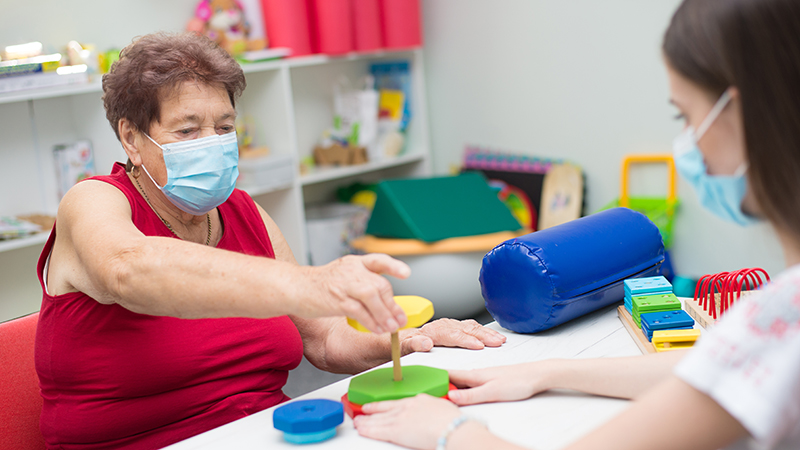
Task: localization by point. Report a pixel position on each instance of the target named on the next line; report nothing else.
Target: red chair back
(20, 400)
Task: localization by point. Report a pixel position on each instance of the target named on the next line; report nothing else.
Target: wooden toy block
(378, 385)
(653, 303)
(641, 286)
(308, 421)
(703, 318)
(636, 333)
(649, 333)
(418, 310)
(668, 340)
(666, 320)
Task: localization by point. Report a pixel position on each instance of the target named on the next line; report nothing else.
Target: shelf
(13, 244)
(96, 85)
(333, 173)
(312, 60)
(50, 92)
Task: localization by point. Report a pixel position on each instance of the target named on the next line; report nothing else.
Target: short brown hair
(753, 45)
(154, 64)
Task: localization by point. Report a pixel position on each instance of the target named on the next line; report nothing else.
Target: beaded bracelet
(457, 422)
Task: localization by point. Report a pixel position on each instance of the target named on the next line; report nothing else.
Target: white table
(547, 421)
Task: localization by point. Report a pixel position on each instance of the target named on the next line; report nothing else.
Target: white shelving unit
(290, 103)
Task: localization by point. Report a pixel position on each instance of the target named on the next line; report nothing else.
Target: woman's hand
(415, 422)
(501, 384)
(352, 286)
(449, 333)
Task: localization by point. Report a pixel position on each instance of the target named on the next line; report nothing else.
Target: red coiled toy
(729, 286)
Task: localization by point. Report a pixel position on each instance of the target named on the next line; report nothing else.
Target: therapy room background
(579, 81)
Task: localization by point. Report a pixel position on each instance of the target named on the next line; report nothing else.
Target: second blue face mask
(201, 173)
(720, 194)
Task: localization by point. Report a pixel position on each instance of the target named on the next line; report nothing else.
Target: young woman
(734, 73)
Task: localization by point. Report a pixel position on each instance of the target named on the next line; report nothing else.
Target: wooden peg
(398, 370)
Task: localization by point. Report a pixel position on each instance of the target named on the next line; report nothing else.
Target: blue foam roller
(537, 281)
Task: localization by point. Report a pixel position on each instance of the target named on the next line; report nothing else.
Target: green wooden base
(379, 385)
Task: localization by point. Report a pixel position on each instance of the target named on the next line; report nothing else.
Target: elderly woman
(171, 303)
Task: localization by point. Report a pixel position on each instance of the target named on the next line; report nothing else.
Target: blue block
(641, 286)
(667, 320)
(308, 421)
(309, 438)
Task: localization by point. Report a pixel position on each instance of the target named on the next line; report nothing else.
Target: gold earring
(136, 172)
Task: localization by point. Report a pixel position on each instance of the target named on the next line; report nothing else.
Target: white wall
(581, 80)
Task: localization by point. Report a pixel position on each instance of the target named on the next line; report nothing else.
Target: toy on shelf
(716, 293)
(338, 154)
(308, 421)
(83, 54)
(26, 66)
(73, 162)
(658, 209)
(486, 159)
(353, 136)
(562, 195)
(436, 208)
(545, 192)
(16, 227)
(245, 133)
(223, 21)
(396, 382)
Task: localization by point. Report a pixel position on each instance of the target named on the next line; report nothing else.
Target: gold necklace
(208, 216)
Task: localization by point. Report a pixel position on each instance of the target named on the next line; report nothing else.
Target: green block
(379, 385)
(431, 209)
(653, 303)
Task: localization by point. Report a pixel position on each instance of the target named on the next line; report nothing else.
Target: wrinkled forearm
(167, 277)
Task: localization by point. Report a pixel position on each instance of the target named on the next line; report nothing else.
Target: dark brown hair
(753, 45)
(153, 65)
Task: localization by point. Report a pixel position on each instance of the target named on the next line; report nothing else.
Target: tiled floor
(307, 378)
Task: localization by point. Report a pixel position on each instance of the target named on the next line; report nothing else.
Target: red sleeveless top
(112, 378)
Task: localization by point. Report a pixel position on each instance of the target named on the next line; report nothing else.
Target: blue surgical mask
(720, 194)
(201, 173)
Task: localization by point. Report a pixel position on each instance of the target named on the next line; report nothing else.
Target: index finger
(379, 407)
(386, 265)
(465, 378)
(488, 336)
